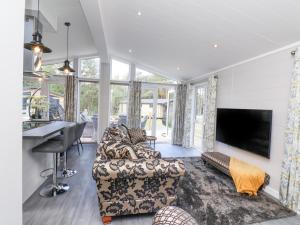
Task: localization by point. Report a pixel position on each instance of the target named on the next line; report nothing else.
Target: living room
(151, 112)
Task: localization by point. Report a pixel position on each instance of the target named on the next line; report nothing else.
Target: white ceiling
(81, 42)
(175, 33)
(181, 33)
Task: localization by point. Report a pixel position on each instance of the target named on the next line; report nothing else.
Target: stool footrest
(51, 190)
(44, 173)
(66, 173)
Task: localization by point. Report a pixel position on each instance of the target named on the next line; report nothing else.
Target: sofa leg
(106, 219)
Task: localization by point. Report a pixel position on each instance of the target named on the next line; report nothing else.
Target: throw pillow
(118, 135)
(137, 135)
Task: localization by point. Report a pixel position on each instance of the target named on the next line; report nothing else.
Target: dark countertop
(46, 130)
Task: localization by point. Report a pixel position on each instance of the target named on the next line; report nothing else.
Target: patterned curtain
(290, 174)
(70, 112)
(177, 134)
(210, 114)
(187, 138)
(134, 107)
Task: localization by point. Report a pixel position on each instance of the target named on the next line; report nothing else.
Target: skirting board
(272, 192)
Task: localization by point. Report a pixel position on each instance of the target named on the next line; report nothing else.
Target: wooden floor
(79, 206)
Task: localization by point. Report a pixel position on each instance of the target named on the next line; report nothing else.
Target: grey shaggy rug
(210, 197)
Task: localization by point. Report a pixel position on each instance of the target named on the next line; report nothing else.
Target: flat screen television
(247, 129)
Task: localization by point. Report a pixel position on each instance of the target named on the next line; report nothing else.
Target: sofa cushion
(137, 135)
(117, 134)
(118, 150)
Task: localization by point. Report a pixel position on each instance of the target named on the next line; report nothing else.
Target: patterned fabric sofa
(132, 178)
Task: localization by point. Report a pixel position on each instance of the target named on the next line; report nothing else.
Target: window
(31, 93)
(56, 100)
(142, 75)
(88, 108)
(90, 68)
(118, 104)
(119, 71)
(199, 98)
(52, 69)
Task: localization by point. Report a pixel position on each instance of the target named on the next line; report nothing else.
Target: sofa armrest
(140, 168)
(142, 152)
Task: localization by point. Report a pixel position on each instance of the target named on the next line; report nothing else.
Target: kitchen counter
(35, 162)
(46, 130)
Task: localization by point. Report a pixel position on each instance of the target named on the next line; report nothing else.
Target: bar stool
(56, 147)
(68, 136)
(78, 133)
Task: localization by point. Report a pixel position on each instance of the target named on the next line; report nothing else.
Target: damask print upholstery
(117, 134)
(143, 150)
(143, 185)
(118, 150)
(137, 135)
(172, 215)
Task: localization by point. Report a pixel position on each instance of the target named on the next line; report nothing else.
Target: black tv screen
(247, 129)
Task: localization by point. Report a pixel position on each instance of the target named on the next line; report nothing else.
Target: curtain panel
(177, 134)
(70, 108)
(134, 107)
(187, 138)
(210, 114)
(290, 171)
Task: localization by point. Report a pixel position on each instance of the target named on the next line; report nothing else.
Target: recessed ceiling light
(139, 13)
(130, 50)
(178, 68)
(216, 45)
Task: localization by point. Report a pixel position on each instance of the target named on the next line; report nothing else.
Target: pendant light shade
(66, 68)
(36, 45)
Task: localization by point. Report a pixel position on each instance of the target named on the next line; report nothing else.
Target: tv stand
(221, 162)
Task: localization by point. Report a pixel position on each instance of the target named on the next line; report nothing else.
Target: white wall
(260, 84)
(11, 67)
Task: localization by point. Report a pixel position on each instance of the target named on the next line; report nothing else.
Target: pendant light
(67, 69)
(36, 45)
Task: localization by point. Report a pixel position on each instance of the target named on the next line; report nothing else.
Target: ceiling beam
(92, 12)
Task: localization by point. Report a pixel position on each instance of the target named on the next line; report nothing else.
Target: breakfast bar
(34, 134)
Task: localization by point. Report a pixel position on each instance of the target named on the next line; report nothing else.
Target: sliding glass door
(164, 113)
(157, 111)
(148, 110)
(118, 104)
(199, 103)
(88, 108)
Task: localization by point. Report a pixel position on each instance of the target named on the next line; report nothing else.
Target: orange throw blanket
(247, 178)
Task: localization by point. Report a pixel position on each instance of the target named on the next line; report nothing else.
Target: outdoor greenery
(31, 84)
(119, 95)
(89, 68)
(57, 89)
(89, 97)
(39, 106)
(52, 69)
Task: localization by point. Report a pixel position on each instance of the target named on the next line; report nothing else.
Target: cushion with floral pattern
(137, 135)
